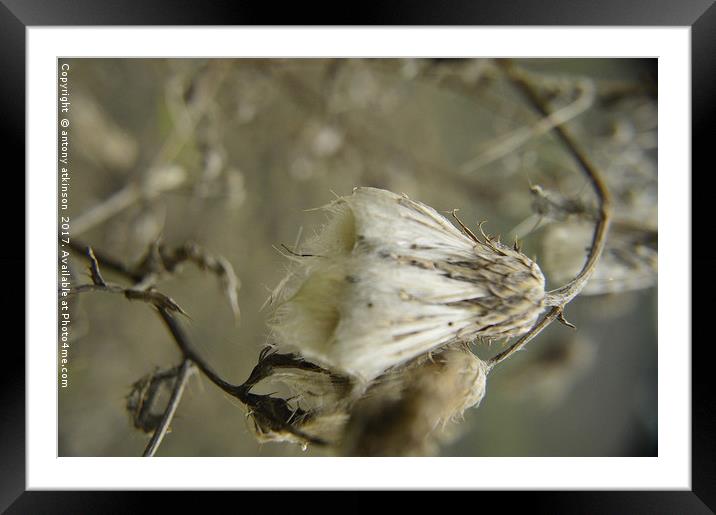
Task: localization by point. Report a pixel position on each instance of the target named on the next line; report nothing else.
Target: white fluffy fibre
(390, 279)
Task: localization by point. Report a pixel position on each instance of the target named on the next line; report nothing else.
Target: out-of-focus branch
(161, 180)
(161, 177)
(508, 143)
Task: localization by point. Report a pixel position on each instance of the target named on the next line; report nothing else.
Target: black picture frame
(17, 15)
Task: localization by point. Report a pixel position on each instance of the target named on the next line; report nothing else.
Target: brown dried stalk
(161, 260)
(273, 412)
(148, 295)
(156, 440)
(560, 297)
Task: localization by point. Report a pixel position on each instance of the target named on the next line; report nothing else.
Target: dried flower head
(388, 279)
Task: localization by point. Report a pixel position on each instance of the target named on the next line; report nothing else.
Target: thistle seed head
(388, 279)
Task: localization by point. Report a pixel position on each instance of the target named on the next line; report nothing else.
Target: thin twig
(551, 315)
(175, 329)
(240, 392)
(108, 263)
(189, 352)
(153, 297)
(156, 440)
(107, 208)
(162, 259)
(255, 403)
(558, 298)
(147, 294)
(94, 269)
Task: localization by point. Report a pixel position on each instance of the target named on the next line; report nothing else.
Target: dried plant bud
(314, 413)
(405, 412)
(389, 279)
(149, 396)
(311, 386)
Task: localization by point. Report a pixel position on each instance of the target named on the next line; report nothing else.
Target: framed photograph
(418, 256)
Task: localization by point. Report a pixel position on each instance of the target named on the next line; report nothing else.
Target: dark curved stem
(187, 349)
(180, 336)
(191, 357)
